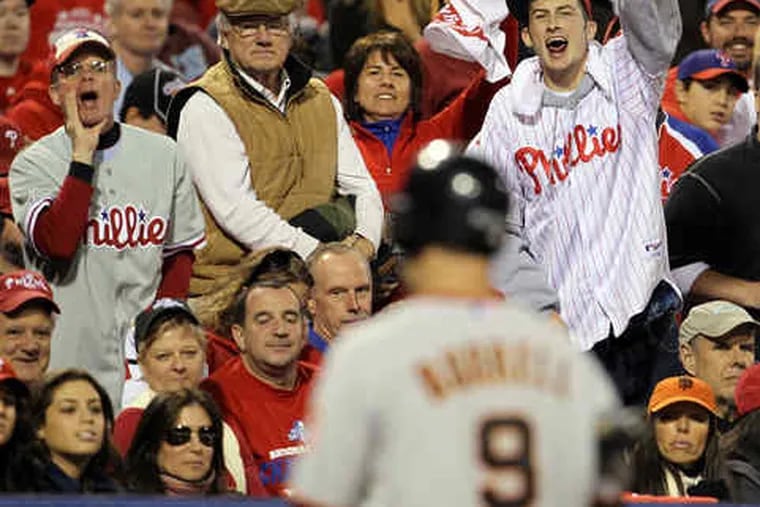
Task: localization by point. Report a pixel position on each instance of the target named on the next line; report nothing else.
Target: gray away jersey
(143, 208)
(452, 403)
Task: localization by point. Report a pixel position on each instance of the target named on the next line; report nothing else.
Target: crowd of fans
(197, 195)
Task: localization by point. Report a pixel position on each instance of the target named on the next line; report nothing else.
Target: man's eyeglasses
(75, 69)
(249, 26)
(181, 435)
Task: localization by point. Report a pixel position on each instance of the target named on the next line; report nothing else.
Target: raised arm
(652, 29)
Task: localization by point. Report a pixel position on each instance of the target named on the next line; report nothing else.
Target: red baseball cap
(66, 44)
(8, 378)
(747, 394)
(20, 287)
(715, 6)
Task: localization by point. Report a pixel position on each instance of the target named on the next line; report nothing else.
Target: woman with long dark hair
(177, 448)
(15, 429)
(70, 452)
(680, 449)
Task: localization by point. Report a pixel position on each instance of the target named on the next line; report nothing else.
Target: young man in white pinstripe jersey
(574, 138)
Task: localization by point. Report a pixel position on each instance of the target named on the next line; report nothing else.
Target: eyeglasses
(182, 434)
(249, 26)
(75, 69)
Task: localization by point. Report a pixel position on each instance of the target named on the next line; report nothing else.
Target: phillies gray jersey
(447, 402)
(143, 208)
(583, 175)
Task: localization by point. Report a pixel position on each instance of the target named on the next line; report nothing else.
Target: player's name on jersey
(580, 147)
(479, 364)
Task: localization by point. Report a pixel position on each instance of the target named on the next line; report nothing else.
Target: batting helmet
(451, 200)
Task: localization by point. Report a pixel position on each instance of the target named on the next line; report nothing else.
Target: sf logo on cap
(685, 383)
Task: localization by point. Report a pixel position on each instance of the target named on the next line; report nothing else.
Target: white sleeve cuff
(685, 276)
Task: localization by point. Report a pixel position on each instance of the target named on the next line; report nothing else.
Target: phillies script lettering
(580, 147)
(127, 227)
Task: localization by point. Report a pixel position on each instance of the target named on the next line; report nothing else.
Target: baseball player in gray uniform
(453, 398)
(108, 210)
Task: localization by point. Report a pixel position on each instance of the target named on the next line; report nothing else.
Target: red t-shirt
(12, 85)
(51, 18)
(267, 420)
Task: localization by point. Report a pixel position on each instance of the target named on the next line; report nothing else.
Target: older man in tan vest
(269, 151)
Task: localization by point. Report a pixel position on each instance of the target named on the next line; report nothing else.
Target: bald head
(342, 290)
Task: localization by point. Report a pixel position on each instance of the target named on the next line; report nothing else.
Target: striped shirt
(583, 174)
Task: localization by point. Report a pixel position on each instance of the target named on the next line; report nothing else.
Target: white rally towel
(469, 30)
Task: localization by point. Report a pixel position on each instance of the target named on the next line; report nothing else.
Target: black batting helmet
(451, 200)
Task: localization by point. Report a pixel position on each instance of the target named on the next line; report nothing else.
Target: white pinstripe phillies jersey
(143, 208)
(446, 402)
(583, 174)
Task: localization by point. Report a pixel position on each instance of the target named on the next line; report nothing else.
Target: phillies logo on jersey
(581, 146)
(126, 227)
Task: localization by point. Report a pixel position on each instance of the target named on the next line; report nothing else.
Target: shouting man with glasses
(109, 212)
(269, 150)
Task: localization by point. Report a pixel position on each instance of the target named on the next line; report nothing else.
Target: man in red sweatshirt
(262, 393)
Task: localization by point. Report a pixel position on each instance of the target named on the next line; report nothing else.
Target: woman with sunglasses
(177, 449)
(70, 452)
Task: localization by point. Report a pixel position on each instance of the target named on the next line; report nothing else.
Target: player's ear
(526, 38)
(237, 335)
(688, 360)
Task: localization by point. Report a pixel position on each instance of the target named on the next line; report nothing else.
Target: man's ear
(55, 95)
(222, 40)
(705, 31)
(237, 335)
(311, 304)
(591, 28)
(111, 30)
(680, 93)
(688, 358)
(117, 85)
(526, 38)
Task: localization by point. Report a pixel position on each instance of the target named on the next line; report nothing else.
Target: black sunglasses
(182, 434)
